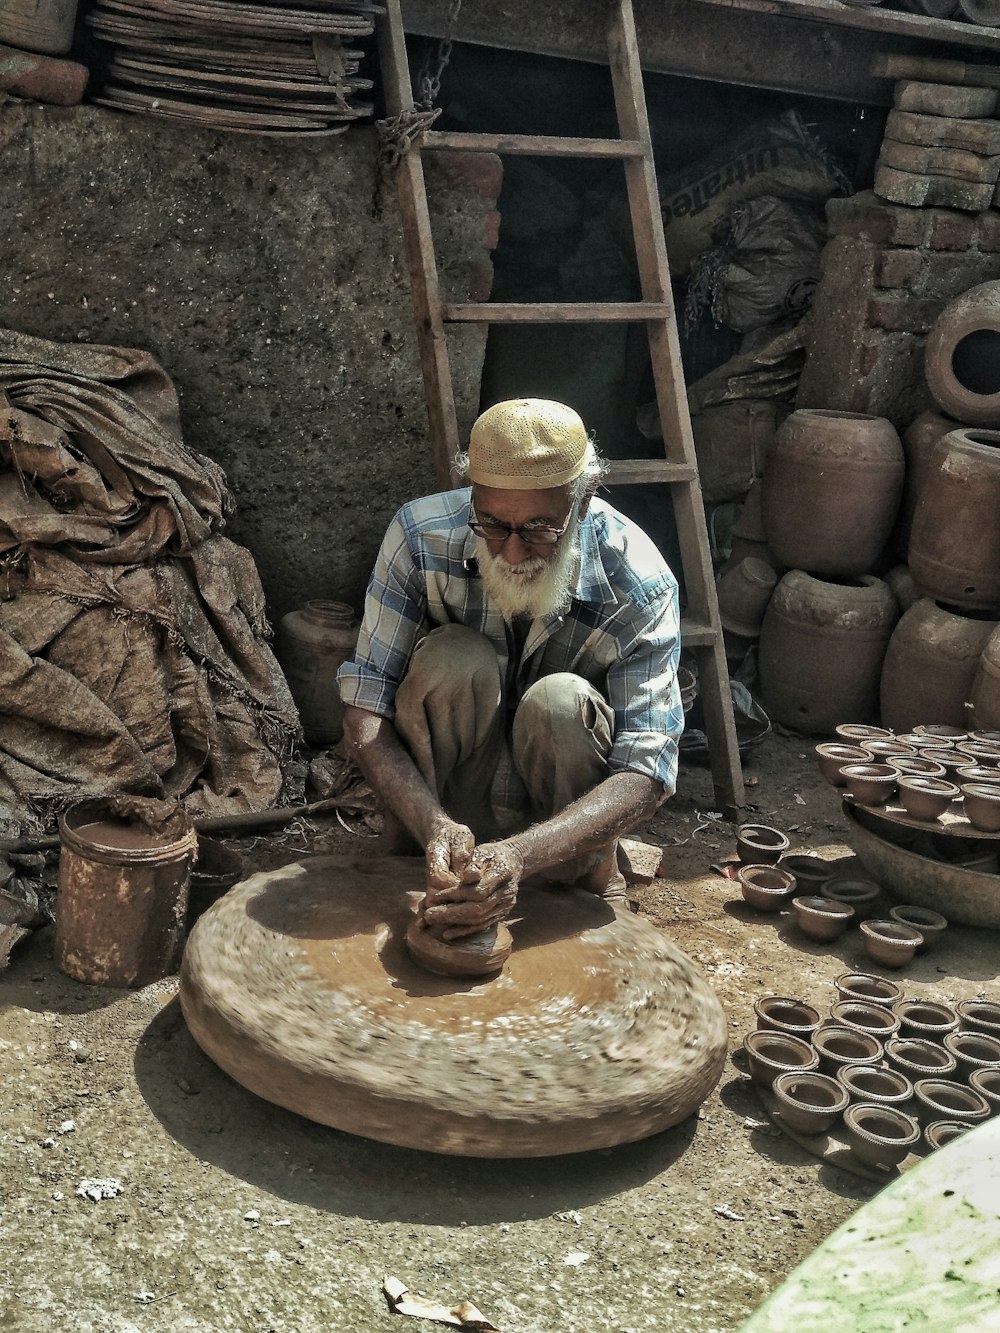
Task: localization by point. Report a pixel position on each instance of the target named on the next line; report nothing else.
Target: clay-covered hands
(469, 888)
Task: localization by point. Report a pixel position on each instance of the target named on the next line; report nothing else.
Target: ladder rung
(556, 312)
(649, 472)
(694, 635)
(532, 145)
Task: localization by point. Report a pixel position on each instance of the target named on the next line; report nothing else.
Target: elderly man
(513, 699)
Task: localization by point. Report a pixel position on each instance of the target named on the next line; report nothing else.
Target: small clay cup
(977, 773)
(759, 845)
(931, 925)
(979, 1016)
(779, 1013)
(981, 803)
(860, 893)
(917, 1058)
(883, 752)
(774, 1053)
(916, 739)
(870, 784)
(950, 760)
(766, 888)
(882, 1087)
(838, 1046)
(877, 1021)
(880, 1136)
(925, 798)
(972, 1050)
(821, 918)
(809, 1103)
(918, 767)
(810, 871)
(890, 942)
(926, 1019)
(987, 1083)
(941, 1099)
(941, 1132)
(867, 988)
(939, 732)
(853, 733)
(832, 759)
(980, 752)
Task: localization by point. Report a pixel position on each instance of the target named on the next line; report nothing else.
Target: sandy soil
(229, 1213)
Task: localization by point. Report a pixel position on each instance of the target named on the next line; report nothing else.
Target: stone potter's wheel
(598, 1030)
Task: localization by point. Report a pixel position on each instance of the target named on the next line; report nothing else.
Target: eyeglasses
(499, 532)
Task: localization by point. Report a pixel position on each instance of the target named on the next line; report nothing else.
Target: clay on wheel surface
(598, 1031)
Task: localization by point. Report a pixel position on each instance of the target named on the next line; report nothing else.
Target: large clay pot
(918, 438)
(930, 665)
(962, 357)
(954, 552)
(986, 686)
(831, 490)
(313, 643)
(821, 650)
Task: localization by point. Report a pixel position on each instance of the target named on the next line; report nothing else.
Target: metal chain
(428, 80)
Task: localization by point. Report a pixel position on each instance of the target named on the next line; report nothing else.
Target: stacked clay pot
(962, 357)
(985, 692)
(918, 439)
(931, 663)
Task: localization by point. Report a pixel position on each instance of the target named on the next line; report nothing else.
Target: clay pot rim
(826, 748)
(978, 1076)
(856, 899)
(965, 1008)
(841, 983)
(846, 1072)
(821, 1036)
(924, 1091)
(888, 930)
(938, 1011)
(873, 1011)
(762, 1006)
(924, 1046)
(942, 731)
(990, 737)
(910, 914)
(796, 1044)
(975, 775)
(814, 904)
(860, 1111)
(954, 1041)
(871, 772)
(928, 785)
(848, 729)
(953, 1129)
(749, 874)
(929, 769)
(983, 789)
(813, 1076)
(748, 832)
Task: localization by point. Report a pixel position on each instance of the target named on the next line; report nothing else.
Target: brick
(944, 99)
(946, 275)
(865, 217)
(957, 162)
(491, 230)
(904, 187)
(901, 313)
(484, 170)
(899, 268)
(978, 136)
(988, 236)
(480, 280)
(950, 231)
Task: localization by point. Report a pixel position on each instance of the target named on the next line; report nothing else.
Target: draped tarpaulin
(133, 638)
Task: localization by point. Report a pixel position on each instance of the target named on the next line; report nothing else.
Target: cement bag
(765, 268)
(778, 157)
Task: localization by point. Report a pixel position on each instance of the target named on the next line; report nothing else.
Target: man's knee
(451, 655)
(562, 702)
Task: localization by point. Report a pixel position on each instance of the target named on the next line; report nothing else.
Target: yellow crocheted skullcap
(527, 444)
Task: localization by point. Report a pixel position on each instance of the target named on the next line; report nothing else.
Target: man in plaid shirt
(513, 698)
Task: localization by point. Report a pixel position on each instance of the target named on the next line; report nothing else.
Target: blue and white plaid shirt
(621, 631)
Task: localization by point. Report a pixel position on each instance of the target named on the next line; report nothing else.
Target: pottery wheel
(598, 1030)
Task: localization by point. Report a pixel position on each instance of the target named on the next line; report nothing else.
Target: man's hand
(482, 893)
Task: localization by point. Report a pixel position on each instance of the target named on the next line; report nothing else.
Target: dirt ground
(227, 1213)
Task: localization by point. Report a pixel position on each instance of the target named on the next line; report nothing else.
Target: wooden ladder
(701, 629)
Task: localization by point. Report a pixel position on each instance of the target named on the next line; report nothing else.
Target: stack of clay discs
(941, 147)
(245, 68)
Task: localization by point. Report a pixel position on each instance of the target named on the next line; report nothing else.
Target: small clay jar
(809, 1103)
(987, 1083)
(882, 1087)
(832, 759)
(837, 1046)
(856, 733)
(979, 1016)
(766, 888)
(918, 767)
(890, 942)
(773, 1053)
(870, 784)
(941, 1099)
(860, 893)
(931, 925)
(880, 1136)
(821, 918)
(810, 871)
(867, 988)
(942, 1132)
(981, 803)
(780, 1013)
(875, 1019)
(972, 1051)
(918, 1058)
(926, 1019)
(757, 844)
(925, 798)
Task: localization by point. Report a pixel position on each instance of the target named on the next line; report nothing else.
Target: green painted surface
(922, 1256)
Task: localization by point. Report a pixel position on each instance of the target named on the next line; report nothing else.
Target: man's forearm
(373, 744)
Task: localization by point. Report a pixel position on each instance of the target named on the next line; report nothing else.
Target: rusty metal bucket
(123, 894)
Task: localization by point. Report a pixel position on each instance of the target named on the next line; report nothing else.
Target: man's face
(522, 577)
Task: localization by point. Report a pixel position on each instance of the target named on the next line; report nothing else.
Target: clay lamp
(881, 1087)
(917, 767)
(917, 1058)
(838, 1046)
(931, 925)
(890, 942)
(779, 1013)
(987, 1083)
(925, 798)
(941, 1132)
(774, 1053)
(886, 751)
(821, 918)
(870, 784)
(859, 893)
(810, 871)
(973, 1050)
(766, 888)
(981, 753)
(937, 732)
(981, 803)
(940, 1099)
(950, 760)
(853, 733)
(758, 845)
(874, 1019)
(977, 773)
(880, 1136)
(979, 1016)
(832, 759)
(809, 1103)
(867, 988)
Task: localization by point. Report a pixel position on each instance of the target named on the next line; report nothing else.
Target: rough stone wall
(255, 272)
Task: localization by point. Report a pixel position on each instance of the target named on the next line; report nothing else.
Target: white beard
(536, 586)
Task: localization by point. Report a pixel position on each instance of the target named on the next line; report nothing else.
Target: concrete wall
(255, 272)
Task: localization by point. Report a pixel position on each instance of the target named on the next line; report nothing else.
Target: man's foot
(606, 880)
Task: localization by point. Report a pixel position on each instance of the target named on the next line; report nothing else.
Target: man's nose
(515, 549)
